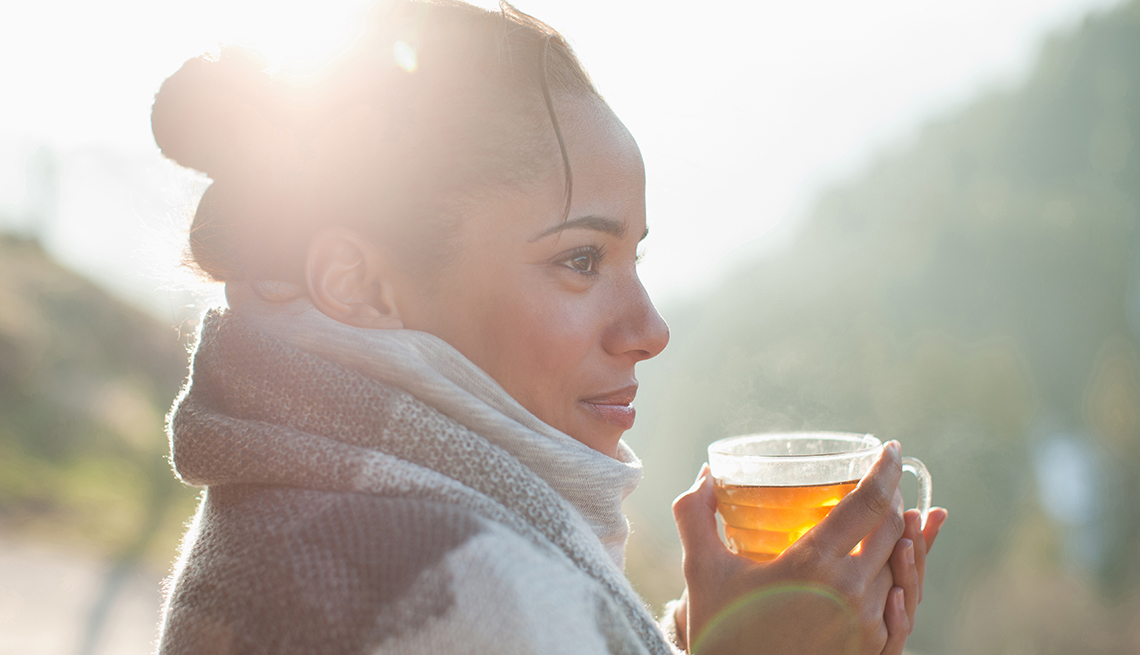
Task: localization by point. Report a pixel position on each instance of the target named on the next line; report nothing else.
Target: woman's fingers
(878, 546)
(695, 514)
(898, 626)
(905, 574)
(934, 522)
(913, 533)
(713, 575)
(863, 509)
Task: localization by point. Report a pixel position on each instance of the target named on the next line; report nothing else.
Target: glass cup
(772, 488)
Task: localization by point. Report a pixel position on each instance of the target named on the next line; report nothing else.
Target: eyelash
(595, 253)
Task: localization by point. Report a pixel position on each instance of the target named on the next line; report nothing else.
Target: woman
(408, 421)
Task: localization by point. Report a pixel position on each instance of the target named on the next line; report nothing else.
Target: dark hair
(432, 101)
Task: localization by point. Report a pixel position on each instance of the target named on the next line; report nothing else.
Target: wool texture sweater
(372, 491)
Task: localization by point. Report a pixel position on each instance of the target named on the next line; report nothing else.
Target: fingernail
(895, 445)
(900, 599)
(934, 518)
(909, 552)
(701, 475)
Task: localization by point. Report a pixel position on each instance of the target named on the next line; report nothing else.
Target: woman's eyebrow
(598, 223)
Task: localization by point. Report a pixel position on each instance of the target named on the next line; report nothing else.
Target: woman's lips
(620, 415)
(615, 408)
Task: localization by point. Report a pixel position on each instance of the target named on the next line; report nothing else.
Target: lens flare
(298, 38)
(405, 56)
(748, 617)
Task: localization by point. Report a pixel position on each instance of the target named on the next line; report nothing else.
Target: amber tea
(760, 522)
(772, 488)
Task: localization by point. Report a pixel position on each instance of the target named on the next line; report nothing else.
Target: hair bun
(217, 111)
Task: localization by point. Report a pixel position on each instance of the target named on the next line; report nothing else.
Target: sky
(743, 110)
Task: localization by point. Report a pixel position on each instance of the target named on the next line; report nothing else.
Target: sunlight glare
(405, 56)
(300, 39)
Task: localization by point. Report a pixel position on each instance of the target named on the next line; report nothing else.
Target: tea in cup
(772, 488)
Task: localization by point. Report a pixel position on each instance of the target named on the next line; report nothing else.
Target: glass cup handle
(912, 465)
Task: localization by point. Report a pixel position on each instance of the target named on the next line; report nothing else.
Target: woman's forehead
(607, 183)
(589, 120)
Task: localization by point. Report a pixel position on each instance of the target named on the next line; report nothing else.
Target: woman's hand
(903, 564)
(817, 597)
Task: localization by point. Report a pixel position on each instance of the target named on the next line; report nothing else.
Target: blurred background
(889, 217)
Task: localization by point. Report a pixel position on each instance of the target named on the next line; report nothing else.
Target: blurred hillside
(975, 294)
(85, 381)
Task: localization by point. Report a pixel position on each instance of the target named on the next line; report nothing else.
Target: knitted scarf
(361, 482)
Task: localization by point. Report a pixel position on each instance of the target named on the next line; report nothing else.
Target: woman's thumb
(695, 514)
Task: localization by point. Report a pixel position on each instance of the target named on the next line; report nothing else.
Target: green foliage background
(973, 293)
(85, 381)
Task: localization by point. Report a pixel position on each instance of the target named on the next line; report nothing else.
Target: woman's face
(552, 310)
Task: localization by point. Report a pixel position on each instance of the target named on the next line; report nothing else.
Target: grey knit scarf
(362, 483)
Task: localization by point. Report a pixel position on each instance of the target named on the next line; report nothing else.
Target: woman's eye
(583, 261)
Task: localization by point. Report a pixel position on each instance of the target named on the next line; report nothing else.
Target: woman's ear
(350, 279)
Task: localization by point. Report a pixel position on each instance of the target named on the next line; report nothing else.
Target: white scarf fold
(438, 375)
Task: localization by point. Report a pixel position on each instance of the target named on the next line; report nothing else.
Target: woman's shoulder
(281, 569)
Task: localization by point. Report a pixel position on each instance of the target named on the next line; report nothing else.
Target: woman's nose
(640, 331)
